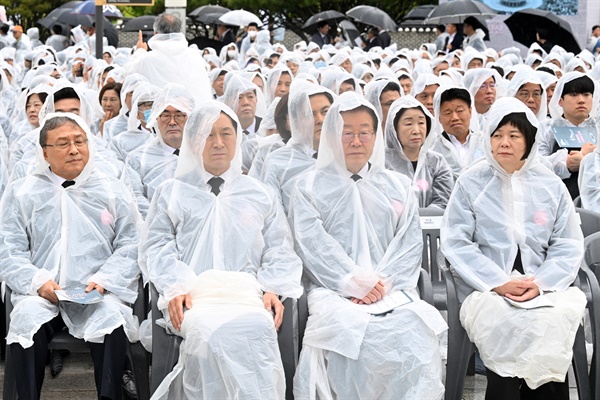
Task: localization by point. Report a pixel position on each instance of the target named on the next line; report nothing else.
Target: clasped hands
(519, 290)
(373, 296)
(176, 308)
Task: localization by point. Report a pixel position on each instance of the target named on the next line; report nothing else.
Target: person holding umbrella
(372, 39)
(474, 34)
(455, 39)
(321, 36)
(542, 37)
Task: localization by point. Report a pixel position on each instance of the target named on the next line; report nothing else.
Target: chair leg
(460, 350)
(580, 366)
(164, 359)
(140, 363)
(10, 383)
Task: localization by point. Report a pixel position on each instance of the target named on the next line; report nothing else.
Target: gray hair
(167, 23)
(54, 123)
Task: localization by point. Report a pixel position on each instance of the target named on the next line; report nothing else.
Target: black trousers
(501, 388)
(109, 362)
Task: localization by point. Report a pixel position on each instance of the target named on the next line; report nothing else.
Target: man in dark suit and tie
(321, 36)
(373, 39)
(225, 34)
(385, 38)
(454, 41)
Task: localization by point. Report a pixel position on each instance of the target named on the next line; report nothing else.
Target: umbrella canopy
(523, 25)
(144, 23)
(71, 4)
(239, 18)
(351, 33)
(372, 16)
(455, 12)
(52, 17)
(419, 12)
(75, 19)
(201, 14)
(330, 15)
(89, 8)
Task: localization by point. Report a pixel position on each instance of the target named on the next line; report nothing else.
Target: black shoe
(56, 361)
(128, 386)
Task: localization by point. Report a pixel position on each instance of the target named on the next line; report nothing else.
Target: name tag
(431, 222)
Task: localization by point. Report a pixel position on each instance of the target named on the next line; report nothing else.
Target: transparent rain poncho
(473, 80)
(222, 250)
(117, 125)
(254, 151)
(349, 235)
(589, 179)
(236, 85)
(443, 145)
(545, 136)
(84, 233)
(432, 179)
(282, 166)
(135, 136)
(21, 124)
(272, 79)
(523, 76)
(150, 165)
(373, 91)
(491, 216)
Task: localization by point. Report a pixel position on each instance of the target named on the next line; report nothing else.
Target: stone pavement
(76, 382)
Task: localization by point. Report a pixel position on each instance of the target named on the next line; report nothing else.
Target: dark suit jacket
(318, 39)
(229, 37)
(373, 43)
(457, 41)
(385, 38)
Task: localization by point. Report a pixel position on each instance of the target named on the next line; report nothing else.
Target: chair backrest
(577, 201)
(431, 220)
(590, 221)
(592, 249)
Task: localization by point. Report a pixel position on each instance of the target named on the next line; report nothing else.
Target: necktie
(245, 132)
(356, 177)
(66, 184)
(176, 152)
(215, 184)
(315, 155)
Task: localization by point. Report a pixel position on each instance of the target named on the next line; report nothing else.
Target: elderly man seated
(219, 250)
(69, 226)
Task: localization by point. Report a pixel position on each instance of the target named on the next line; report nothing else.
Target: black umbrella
(206, 14)
(419, 13)
(52, 17)
(372, 16)
(523, 25)
(330, 15)
(455, 12)
(351, 33)
(75, 19)
(204, 42)
(144, 23)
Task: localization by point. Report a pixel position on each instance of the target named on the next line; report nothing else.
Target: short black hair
(281, 118)
(374, 30)
(235, 125)
(254, 24)
(583, 84)
(54, 123)
(519, 120)
(41, 95)
(403, 110)
(4, 29)
(57, 29)
(374, 117)
(349, 81)
(499, 69)
(326, 94)
(65, 93)
(322, 24)
(546, 69)
(441, 28)
(543, 33)
(456, 94)
(472, 21)
(595, 27)
(390, 87)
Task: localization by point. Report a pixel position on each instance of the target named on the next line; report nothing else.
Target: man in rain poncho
(510, 232)
(217, 243)
(69, 226)
(150, 165)
(589, 180)
(308, 105)
(357, 231)
(244, 97)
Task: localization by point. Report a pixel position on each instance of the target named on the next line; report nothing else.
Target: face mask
(320, 64)
(231, 53)
(252, 34)
(147, 114)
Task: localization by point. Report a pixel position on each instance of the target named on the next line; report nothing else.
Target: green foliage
(27, 12)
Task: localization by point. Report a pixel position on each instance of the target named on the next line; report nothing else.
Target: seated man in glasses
(369, 336)
(150, 165)
(65, 226)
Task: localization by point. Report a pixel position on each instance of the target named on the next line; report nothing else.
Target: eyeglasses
(146, 104)
(79, 143)
(525, 95)
(485, 86)
(166, 117)
(348, 137)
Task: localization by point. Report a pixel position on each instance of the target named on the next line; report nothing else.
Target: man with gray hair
(171, 60)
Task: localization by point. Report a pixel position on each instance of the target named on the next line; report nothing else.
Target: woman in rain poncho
(74, 235)
(589, 179)
(408, 142)
(357, 231)
(119, 124)
(282, 167)
(510, 232)
(137, 134)
(221, 244)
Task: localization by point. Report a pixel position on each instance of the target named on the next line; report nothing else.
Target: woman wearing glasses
(357, 231)
(514, 244)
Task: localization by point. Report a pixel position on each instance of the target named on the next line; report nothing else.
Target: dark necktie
(446, 43)
(356, 177)
(215, 184)
(66, 184)
(245, 132)
(176, 152)
(315, 155)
